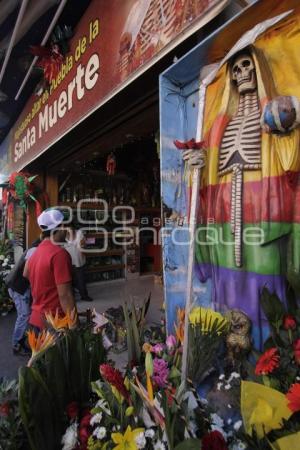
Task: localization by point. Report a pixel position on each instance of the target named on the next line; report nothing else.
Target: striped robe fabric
(270, 193)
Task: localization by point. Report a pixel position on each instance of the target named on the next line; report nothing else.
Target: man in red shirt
(49, 271)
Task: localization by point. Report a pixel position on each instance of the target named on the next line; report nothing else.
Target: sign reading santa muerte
(114, 42)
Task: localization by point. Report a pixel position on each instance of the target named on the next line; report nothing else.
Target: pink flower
(160, 372)
(171, 342)
(158, 349)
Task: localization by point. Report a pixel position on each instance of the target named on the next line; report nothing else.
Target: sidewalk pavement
(105, 295)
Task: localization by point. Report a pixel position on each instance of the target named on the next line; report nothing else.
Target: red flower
(114, 377)
(214, 440)
(72, 410)
(293, 397)
(4, 409)
(267, 362)
(85, 421)
(84, 429)
(84, 434)
(170, 393)
(289, 323)
(296, 347)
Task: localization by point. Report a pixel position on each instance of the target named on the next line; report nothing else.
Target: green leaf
(189, 444)
(38, 411)
(291, 300)
(272, 307)
(136, 334)
(174, 373)
(129, 411)
(130, 343)
(149, 364)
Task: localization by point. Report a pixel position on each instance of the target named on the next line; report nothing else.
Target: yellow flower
(39, 344)
(61, 323)
(149, 387)
(126, 441)
(147, 347)
(206, 317)
(129, 411)
(150, 403)
(287, 442)
(179, 327)
(262, 413)
(262, 408)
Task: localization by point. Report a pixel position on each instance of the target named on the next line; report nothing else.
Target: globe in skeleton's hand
(281, 115)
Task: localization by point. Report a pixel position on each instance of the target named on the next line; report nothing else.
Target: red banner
(114, 42)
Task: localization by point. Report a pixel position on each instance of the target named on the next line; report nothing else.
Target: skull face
(243, 73)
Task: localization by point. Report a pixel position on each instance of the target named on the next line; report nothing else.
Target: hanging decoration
(111, 164)
(21, 187)
(52, 57)
(50, 60)
(20, 190)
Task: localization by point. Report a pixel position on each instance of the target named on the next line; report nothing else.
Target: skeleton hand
(194, 158)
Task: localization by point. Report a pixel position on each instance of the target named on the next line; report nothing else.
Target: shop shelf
(101, 233)
(105, 268)
(107, 253)
(95, 206)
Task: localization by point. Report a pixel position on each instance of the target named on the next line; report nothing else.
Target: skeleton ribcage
(241, 141)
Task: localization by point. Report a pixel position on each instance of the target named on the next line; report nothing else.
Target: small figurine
(111, 164)
(238, 340)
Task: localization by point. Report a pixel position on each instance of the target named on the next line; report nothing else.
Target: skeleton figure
(241, 143)
(245, 185)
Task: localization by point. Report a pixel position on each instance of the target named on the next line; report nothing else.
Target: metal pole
(194, 210)
(191, 264)
(13, 38)
(44, 41)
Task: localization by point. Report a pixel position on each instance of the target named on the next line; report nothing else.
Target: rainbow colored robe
(271, 196)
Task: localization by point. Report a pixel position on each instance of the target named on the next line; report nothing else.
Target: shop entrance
(114, 197)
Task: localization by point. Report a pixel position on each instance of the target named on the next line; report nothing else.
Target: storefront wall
(138, 32)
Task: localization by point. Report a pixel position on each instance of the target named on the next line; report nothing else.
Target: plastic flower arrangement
(143, 409)
(223, 405)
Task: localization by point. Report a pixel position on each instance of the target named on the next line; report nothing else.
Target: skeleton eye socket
(235, 69)
(246, 63)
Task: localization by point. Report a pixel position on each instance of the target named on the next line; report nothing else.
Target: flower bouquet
(65, 360)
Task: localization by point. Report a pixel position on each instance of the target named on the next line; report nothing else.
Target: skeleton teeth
(243, 80)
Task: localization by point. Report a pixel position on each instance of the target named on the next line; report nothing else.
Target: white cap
(50, 219)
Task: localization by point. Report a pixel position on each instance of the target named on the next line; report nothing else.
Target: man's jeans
(23, 312)
(78, 275)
